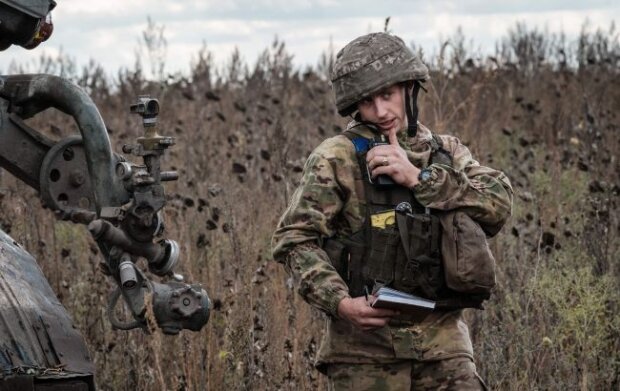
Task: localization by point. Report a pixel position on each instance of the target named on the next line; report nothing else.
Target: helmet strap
(411, 109)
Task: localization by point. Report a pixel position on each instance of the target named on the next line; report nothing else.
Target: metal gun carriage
(81, 180)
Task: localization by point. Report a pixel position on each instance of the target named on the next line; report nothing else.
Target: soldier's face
(385, 109)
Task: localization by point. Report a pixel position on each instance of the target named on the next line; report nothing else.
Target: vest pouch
(422, 271)
(346, 256)
(468, 262)
(384, 244)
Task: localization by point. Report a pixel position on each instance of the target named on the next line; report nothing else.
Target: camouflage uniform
(329, 202)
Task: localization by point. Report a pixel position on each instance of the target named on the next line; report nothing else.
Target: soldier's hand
(359, 312)
(392, 160)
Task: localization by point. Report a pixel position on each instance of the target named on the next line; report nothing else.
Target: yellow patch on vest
(383, 219)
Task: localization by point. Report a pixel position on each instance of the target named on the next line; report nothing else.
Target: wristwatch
(425, 175)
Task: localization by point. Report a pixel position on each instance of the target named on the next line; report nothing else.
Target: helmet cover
(370, 63)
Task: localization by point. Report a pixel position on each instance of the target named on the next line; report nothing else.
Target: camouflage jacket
(329, 202)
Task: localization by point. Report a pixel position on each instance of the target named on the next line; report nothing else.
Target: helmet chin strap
(411, 108)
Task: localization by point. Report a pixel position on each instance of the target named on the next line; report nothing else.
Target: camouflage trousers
(457, 373)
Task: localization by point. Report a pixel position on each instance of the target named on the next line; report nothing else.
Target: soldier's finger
(369, 155)
(372, 154)
(380, 150)
(380, 161)
(374, 322)
(371, 312)
(388, 170)
(372, 162)
(384, 313)
(392, 137)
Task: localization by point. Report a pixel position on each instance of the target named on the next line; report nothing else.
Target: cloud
(108, 8)
(109, 32)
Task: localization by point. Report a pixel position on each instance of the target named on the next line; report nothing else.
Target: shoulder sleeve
(484, 193)
(310, 218)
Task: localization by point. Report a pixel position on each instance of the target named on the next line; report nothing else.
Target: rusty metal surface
(37, 336)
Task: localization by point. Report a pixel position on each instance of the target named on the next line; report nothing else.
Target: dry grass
(542, 109)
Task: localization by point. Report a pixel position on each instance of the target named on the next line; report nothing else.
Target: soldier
(338, 238)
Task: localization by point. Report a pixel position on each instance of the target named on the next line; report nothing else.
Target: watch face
(425, 174)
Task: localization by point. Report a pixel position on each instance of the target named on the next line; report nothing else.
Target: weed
(542, 109)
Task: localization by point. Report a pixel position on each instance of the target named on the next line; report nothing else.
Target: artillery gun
(82, 181)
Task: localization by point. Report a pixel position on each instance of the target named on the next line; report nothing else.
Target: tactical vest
(399, 244)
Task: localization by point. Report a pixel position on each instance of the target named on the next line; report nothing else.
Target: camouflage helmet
(370, 63)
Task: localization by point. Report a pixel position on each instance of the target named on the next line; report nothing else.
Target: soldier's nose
(380, 109)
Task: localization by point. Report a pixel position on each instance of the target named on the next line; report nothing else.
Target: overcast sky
(109, 31)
